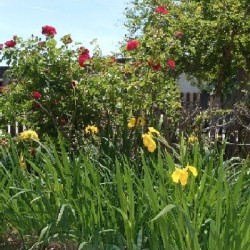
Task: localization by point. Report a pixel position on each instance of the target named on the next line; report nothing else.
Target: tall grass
(75, 198)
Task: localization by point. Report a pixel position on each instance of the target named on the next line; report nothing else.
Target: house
(3, 81)
(191, 95)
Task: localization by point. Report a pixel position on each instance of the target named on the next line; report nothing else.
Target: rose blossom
(155, 67)
(83, 57)
(36, 95)
(161, 10)
(178, 34)
(63, 120)
(2, 89)
(171, 63)
(48, 30)
(10, 44)
(132, 44)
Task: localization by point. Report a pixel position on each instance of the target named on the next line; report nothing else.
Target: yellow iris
(29, 134)
(91, 129)
(192, 139)
(181, 175)
(149, 142)
(153, 130)
(133, 122)
(192, 169)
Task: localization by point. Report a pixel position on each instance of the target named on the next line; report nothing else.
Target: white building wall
(185, 85)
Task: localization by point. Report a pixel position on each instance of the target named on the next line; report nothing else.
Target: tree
(214, 40)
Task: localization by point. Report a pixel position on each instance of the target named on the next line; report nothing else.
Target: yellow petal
(87, 130)
(192, 139)
(193, 170)
(28, 134)
(96, 130)
(146, 139)
(91, 129)
(183, 177)
(152, 146)
(153, 130)
(176, 175)
(131, 123)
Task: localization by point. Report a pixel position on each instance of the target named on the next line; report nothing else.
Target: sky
(85, 20)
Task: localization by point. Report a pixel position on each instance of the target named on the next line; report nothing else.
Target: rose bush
(65, 88)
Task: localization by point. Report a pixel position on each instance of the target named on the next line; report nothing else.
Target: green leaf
(164, 211)
(51, 43)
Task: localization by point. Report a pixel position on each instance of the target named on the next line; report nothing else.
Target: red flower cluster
(161, 10)
(155, 67)
(132, 44)
(48, 30)
(63, 120)
(83, 57)
(171, 63)
(10, 44)
(36, 95)
(178, 34)
(2, 89)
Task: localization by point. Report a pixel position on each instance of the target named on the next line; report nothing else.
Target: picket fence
(192, 104)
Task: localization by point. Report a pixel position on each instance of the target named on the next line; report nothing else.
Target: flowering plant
(65, 87)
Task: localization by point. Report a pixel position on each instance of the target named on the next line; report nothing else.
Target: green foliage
(52, 91)
(74, 198)
(213, 39)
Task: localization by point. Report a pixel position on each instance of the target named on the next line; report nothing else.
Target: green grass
(75, 199)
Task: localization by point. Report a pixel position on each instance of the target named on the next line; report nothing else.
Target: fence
(219, 127)
(226, 127)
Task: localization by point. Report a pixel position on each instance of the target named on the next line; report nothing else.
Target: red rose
(63, 120)
(10, 44)
(83, 57)
(36, 95)
(155, 67)
(161, 10)
(2, 89)
(178, 34)
(132, 44)
(171, 63)
(48, 30)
